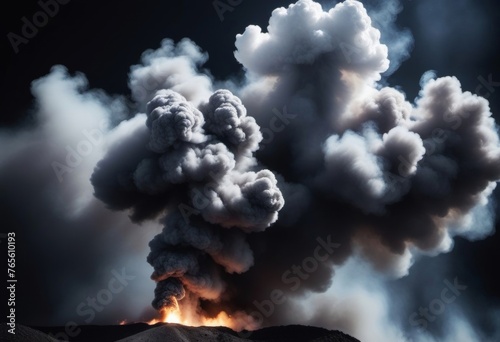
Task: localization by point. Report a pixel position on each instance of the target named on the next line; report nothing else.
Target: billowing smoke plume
(197, 162)
(344, 164)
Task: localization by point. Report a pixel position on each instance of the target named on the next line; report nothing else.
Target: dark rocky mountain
(162, 332)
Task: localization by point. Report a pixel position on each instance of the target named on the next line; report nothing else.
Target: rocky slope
(141, 332)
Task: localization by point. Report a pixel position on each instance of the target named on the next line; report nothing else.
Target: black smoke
(193, 163)
(357, 163)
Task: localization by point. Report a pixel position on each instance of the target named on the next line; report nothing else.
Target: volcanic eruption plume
(344, 162)
(199, 163)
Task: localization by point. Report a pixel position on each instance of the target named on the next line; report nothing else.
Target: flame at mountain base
(188, 314)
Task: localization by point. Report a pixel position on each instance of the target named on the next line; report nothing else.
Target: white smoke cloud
(170, 67)
(344, 32)
(52, 161)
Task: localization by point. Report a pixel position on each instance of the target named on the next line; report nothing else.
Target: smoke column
(200, 163)
(343, 162)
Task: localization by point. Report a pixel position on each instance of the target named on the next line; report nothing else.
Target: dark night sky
(103, 39)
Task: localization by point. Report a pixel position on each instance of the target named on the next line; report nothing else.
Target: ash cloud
(196, 162)
(47, 199)
(384, 178)
(172, 67)
(357, 166)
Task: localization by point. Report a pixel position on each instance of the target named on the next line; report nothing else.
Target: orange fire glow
(175, 316)
(188, 316)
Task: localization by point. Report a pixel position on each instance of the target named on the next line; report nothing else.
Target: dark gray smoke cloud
(382, 177)
(193, 162)
(308, 150)
(357, 163)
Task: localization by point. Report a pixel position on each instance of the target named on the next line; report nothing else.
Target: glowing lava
(191, 317)
(175, 316)
(168, 316)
